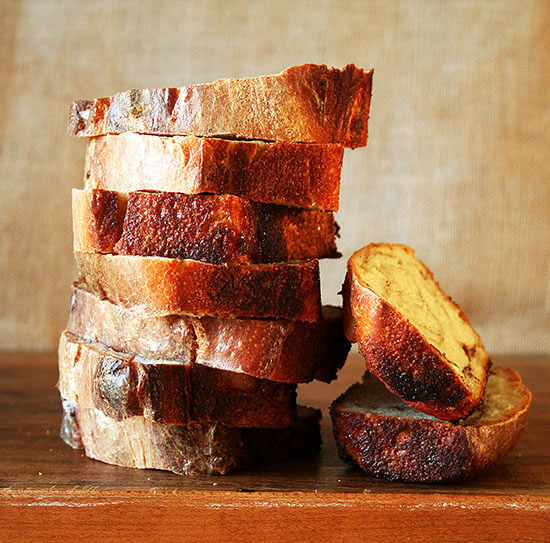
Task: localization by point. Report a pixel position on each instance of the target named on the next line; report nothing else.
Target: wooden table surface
(49, 491)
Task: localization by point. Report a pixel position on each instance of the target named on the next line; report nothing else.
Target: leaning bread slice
(309, 103)
(411, 334)
(166, 286)
(195, 449)
(206, 227)
(292, 174)
(124, 385)
(278, 350)
(387, 438)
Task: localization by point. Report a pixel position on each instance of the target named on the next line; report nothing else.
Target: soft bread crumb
(392, 272)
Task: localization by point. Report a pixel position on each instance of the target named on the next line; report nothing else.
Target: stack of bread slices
(197, 238)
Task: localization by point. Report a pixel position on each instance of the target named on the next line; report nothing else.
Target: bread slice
(292, 174)
(167, 286)
(210, 228)
(278, 350)
(387, 438)
(123, 385)
(195, 449)
(412, 335)
(308, 103)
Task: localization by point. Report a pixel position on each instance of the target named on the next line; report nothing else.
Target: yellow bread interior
(394, 274)
(503, 397)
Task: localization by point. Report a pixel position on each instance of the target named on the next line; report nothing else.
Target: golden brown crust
(123, 385)
(167, 286)
(210, 228)
(301, 175)
(195, 449)
(308, 103)
(427, 450)
(397, 353)
(278, 350)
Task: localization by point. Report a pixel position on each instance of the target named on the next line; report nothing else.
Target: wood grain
(49, 491)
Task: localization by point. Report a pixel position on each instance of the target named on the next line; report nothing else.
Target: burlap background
(456, 164)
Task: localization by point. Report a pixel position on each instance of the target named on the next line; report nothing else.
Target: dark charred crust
(344, 456)
(267, 291)
(114, 384)
(287, 233)
(208, 228)
(397, 353)
(338, 349)
(420, 378)
(181, 226)
(403, 449)
(239, 400)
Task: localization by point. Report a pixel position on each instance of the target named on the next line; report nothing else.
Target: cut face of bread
(309, 103)
(412, 335)
(292, 174)
(195, 449)
(388, 438)
(278, 350)
(211, 228)
(394, 274)
(125, 385)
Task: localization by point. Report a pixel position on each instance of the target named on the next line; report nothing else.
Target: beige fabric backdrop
(456, 166)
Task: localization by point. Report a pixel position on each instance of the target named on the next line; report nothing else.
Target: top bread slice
(291, 174)
(411, 334)
(309, 104)
(387, 438)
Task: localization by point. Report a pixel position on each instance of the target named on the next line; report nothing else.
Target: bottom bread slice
(171, 286)
(387, 438)
(194, 449)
